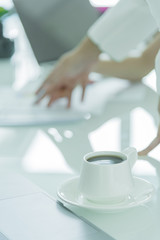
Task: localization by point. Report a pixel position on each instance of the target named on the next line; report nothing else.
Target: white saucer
(142, 193)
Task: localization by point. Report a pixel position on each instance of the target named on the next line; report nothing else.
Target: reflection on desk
(50, 154)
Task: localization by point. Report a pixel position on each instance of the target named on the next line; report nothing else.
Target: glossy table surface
(48, 155)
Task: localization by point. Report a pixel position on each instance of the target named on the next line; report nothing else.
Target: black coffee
(105, 160)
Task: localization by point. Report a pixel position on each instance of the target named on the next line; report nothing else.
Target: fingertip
(83, 94)
(69, 99)
(36, 102)
(69, 103)
(39, 89)
(39, 98)
(141, 153)
(50, 103)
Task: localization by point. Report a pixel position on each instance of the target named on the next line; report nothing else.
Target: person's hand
(71, 70)
(66, 75)
(152, 145)
(155, 142)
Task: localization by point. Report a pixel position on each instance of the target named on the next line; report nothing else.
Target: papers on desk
(36, 216)
(14, 185)
(18, 108)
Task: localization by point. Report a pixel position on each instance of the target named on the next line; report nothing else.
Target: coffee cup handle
(131, 155)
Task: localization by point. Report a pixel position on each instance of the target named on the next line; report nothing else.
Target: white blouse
(123, 27)
(154, 6)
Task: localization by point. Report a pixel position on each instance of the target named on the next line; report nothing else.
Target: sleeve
(122, 28)
(154, 6)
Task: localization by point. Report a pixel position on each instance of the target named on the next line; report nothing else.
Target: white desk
(49, 155)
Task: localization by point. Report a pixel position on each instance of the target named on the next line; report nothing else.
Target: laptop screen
(55, 26)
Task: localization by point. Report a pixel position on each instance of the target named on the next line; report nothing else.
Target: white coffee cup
(106, 176)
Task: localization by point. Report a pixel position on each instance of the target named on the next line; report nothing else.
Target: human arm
(131, 68)
(111, 34)
(71, 69)
(154, 6)
(155, 142)
(74, 67)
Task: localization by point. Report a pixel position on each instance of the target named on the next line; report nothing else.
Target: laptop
(55, 26)
(37, 217)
